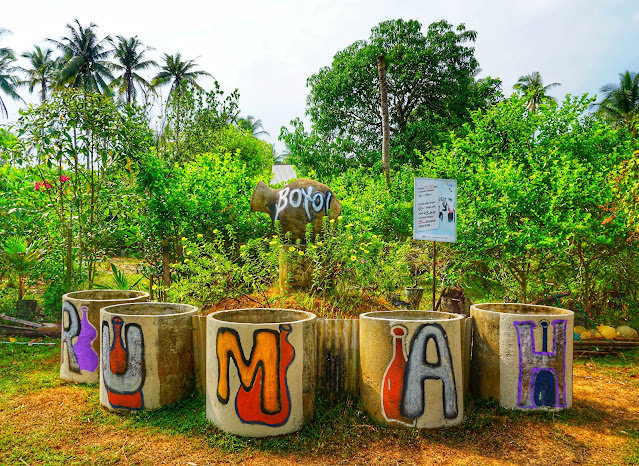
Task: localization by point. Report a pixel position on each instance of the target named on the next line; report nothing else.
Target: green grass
(339, 430)
(26, 368)
(632, 449)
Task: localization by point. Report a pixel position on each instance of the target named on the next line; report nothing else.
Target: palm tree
(129, 59)
(176, 72)
(620, 105)
(8, 81)
(252, 125)
(532, 86)
(86, 57)
(42, 71)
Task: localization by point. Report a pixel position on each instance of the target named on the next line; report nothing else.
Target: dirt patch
(350, 306)
(595, 431)
(49, 421)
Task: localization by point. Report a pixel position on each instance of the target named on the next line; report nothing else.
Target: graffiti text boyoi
(542, 374)
(403, 393)
(263, 397)
(123, 368)
(305, 198)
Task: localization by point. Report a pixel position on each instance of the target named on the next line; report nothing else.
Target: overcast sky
(267, 49)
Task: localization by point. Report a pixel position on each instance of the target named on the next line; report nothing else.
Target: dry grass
(47, 421)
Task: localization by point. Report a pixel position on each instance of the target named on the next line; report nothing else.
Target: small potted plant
(22, 257)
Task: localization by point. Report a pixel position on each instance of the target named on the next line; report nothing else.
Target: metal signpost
(435, 213)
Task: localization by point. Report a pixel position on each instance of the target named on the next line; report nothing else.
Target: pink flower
(64, 178)
(42, 185)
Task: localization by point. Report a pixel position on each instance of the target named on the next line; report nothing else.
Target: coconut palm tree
(8, 81)
(532, 86)
(42, 71)
(86, 57)
(176, 72)
(129, 59)
(252, 125)
(620, 104)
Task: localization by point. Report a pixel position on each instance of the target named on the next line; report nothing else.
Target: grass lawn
(48, 421)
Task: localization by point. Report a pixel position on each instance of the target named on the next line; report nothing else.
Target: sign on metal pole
(435, 210)
(435, 214)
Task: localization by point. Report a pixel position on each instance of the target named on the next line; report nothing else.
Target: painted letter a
(418, 369)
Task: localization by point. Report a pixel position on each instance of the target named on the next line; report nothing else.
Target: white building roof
(283, 173)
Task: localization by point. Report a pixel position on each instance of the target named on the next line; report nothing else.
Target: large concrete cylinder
(522, 355)
(81, 329)
(260, 370)
(412, 367)
(147, 355)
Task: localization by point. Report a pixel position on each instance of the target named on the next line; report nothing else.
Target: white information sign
(435, 210)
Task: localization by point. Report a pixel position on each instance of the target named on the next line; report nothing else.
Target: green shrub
(209, 271)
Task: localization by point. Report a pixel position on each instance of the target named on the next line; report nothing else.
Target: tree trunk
(20, 286)
(69, 261)
(166, 259)
(383, 88)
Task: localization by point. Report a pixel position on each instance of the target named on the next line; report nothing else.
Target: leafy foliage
(119, 281)
(74, 143)
(85, 56)
(176, 72)
(21, 257)
(431, 86)
(620, 104)
(130, 60)
(533, 192)
(210, 271)
(9, 82)
(533, 89)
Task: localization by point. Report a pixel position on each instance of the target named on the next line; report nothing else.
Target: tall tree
(42, 70)
(252, 125)
(9, 82)
(129, 59)
(431, 87)
(86, 57)
(620, 104)
(532, 87)
(177, 71)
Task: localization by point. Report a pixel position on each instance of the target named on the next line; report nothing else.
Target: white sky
(267, 49)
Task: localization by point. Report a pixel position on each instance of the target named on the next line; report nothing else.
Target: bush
(210, 271)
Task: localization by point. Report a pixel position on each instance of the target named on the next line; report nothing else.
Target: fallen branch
(28, 323)
(45, 330)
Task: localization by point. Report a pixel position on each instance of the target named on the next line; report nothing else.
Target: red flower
(42, 185)
(64, 178)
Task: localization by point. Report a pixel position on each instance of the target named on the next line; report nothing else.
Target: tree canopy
(42, 70)
(86, 58)
(620, 104)
(431, 90)
(130, 60)
(532, 87)
(8, 81)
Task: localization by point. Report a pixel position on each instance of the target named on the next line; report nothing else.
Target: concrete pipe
(260, 370)
(412, 367)
(80, 330)
(147, 355)
(522, 355)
